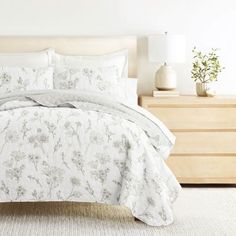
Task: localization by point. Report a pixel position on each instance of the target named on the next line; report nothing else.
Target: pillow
(104, 80)
(131, 94)
(13, 79)
(102, 73)
(32, 59)
(118, 59)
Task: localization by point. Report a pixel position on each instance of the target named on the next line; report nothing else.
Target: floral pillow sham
(14, 79)
(107, 73)
(105, 80)
(118, 59)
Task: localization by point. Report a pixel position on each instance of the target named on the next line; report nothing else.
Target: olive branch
(206, 67)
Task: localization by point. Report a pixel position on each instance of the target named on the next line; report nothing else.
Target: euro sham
(103, 73)
(118, 59)
(31, 59)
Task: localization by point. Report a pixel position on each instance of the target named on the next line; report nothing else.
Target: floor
(198, 211)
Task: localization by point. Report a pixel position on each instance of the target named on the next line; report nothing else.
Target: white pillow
(118, 59)
(105, 80)
(14, 79)
(131, 94)
(32, 59)
(105, 73)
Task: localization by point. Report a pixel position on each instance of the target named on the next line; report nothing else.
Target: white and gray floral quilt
(75, 146)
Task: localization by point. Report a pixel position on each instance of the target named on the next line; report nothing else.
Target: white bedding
(76, 146)
(106, 73)
(132, 97)
(29, 59)
(14, 79)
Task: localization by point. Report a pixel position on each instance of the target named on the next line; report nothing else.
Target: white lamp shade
(166, 48)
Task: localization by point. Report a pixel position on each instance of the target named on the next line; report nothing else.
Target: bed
(64, 137)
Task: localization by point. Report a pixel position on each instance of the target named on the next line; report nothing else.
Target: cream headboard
(73, 45)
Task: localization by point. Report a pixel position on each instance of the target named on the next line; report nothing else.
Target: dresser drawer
(196, 118)
(205, 143)
(205, 130)
(203, 169)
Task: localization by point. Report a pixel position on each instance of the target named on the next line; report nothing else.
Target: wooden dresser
(205, 130)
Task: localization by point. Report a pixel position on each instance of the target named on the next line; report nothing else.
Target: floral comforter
(76, 146)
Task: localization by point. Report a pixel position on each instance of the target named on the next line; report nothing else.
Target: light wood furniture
(205, 130)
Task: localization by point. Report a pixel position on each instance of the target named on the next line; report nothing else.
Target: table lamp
(166, 48)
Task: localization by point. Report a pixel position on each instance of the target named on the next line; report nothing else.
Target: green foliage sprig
(206, 67)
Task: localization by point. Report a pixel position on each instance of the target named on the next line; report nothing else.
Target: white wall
(206, 24)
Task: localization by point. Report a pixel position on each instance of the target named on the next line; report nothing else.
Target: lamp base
(166, 78)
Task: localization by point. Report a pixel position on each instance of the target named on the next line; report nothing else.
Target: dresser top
(223, 101)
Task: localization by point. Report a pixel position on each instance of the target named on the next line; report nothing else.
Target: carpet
(198, 211)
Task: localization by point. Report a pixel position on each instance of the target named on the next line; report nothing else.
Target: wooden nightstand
(205, 130)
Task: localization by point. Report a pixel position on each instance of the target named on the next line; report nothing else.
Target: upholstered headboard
(73, 45)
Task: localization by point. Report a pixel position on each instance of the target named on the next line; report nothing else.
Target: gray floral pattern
(22, 78)
(84, 155)
(91, 78)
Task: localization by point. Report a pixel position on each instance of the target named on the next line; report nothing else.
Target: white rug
(198, 211)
